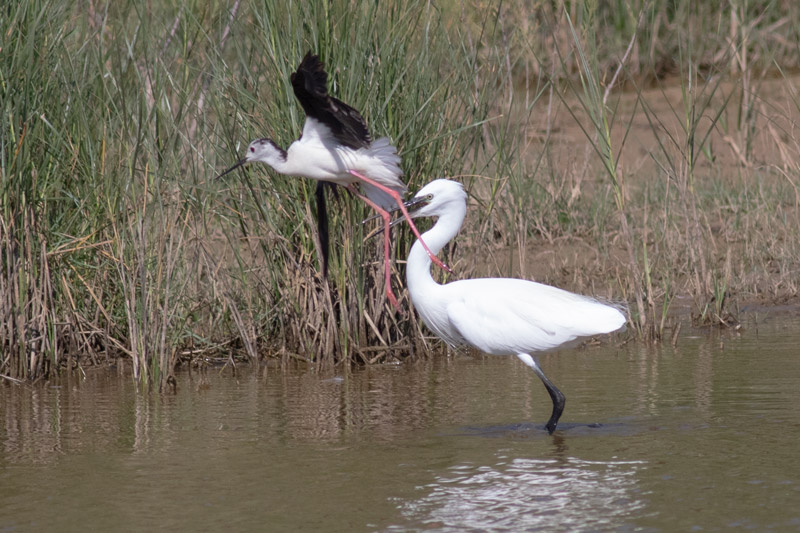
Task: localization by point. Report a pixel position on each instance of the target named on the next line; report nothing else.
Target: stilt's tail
(389, 174)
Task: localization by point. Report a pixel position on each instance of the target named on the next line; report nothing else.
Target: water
(702, 436)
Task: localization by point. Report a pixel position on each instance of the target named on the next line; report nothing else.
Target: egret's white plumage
(336, 147)
(499, 316)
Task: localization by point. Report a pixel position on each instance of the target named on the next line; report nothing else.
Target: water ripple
(529, 494)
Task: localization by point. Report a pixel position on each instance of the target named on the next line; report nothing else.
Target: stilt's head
(265, 151)
(437, 198)
(262, 150)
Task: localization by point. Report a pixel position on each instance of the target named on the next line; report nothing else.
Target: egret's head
(263, 150)
(436, 198)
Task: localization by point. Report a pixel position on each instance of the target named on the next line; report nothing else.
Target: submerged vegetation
(644, 151)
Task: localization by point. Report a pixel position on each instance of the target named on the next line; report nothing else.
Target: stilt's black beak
(234, 167)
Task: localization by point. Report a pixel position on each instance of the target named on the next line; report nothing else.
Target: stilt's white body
(317, 155)
(499, 316)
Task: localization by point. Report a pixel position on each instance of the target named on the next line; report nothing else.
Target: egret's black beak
(416, 203)
(410, 205)
(234, 167)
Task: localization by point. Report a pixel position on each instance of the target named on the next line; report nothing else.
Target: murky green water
(702, 436)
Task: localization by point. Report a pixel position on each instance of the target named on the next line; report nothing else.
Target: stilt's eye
(252, 149)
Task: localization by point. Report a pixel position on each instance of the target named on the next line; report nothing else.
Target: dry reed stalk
(30, 341)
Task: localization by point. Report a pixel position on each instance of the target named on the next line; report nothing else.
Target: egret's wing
(310, 84)
(496, 330)
(511, 316)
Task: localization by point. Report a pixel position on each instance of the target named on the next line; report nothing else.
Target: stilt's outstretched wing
(310, 84)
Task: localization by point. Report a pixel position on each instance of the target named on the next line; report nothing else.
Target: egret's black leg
(559, 400)
(558, 403)
(322, 226)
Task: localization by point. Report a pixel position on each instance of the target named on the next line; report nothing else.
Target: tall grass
(116, 238)
(116, 117)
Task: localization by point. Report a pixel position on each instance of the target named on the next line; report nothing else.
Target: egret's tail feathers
(588, 316)
(610, 319)
(615, 322)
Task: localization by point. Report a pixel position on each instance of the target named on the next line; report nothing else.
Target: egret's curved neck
(418, 271)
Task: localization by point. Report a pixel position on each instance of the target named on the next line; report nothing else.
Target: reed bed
(644, 151)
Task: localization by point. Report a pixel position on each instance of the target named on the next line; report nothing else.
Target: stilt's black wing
(310, 84)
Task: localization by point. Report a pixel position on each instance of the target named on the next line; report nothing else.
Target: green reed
(116, 241)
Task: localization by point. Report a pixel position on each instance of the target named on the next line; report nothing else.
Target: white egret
(499, 316)
(336, 147)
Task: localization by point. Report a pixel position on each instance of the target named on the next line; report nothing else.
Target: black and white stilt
(336, 147)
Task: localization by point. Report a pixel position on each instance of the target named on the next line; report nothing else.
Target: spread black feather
(310, 84)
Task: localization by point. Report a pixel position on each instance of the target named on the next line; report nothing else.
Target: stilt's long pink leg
(394, 194)
(386, 233)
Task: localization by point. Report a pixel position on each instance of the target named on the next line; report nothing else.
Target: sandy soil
(744, 156)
